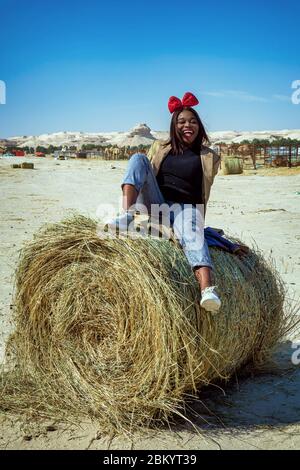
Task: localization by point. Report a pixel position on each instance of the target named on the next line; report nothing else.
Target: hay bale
(15, 165)
(232, 166)
(112, 328)
(27, 165)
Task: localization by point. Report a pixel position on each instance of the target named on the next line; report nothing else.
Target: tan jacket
(210, 161)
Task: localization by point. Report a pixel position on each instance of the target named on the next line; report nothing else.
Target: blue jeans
(139, 173)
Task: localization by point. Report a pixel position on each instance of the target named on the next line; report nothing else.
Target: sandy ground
(258, 207)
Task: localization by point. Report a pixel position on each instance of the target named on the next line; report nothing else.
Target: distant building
(64, 154)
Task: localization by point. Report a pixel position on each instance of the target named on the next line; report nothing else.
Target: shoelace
(209, 289)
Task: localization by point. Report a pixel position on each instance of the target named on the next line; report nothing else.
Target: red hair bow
(175, 103)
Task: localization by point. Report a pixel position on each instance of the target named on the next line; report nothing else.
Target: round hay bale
(27, 165)
(232, 166)
(113, 329)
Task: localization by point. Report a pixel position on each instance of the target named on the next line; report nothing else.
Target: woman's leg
(203, 274)
(140, 190)
(130, 195)
(139, 184)
(188, 227)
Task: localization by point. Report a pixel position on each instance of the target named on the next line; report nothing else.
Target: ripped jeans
(185, 219)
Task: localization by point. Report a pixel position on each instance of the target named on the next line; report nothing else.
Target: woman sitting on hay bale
(173, 175)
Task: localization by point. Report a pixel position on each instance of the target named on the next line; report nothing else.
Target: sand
(261, 207)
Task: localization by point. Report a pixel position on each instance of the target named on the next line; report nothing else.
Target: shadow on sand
(255, 401)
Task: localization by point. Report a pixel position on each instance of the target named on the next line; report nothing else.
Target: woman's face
(187, 126)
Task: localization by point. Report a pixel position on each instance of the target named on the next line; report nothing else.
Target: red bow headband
(175, 103)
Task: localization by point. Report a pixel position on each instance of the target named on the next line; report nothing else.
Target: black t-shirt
(180, 178)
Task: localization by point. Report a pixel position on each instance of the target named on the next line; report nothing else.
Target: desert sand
(260, 207)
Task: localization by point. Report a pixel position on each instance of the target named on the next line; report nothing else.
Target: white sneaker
(120, 223)
(210, 300)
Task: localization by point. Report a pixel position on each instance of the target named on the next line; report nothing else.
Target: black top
(180, 178)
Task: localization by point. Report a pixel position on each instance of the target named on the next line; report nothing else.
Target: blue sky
(106, 66)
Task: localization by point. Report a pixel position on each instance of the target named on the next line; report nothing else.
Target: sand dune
(141, 134)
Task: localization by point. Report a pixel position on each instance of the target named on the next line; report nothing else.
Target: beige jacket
(210, 161)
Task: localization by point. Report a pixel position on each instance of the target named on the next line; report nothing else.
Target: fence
(267, 155)
(107, 153)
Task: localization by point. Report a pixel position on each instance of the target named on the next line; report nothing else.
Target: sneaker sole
(210, 305)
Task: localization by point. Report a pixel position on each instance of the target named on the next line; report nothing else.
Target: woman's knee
(139, 158)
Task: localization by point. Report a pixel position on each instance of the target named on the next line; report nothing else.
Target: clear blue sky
(103, 66)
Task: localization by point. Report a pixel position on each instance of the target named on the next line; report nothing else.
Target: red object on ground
(18, 153)
(39, 154)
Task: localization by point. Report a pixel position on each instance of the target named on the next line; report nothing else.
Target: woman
(177, 173)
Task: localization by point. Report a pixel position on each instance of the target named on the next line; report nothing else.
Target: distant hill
(141, 134)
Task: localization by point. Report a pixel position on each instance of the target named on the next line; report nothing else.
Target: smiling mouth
(188, 133)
